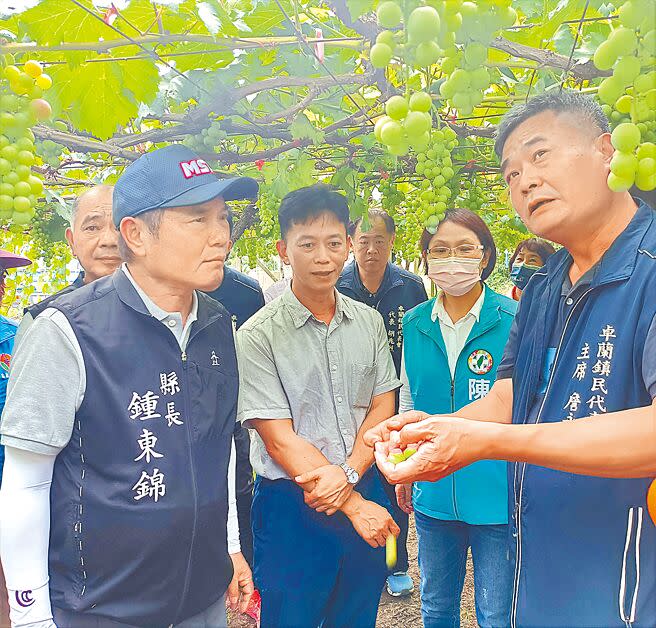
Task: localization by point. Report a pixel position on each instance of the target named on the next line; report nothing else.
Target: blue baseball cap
(173, 176)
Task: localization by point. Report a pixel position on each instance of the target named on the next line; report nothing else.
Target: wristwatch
(352, 476)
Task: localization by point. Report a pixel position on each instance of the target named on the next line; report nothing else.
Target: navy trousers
(311, 569)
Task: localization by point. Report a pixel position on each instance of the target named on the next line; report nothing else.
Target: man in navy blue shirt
(373, 280)
(578, 376)
(242, 296)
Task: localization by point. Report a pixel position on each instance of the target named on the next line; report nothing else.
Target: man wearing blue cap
(114, 509)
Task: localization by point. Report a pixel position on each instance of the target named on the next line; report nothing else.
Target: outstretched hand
(446, 444)
(383, 430)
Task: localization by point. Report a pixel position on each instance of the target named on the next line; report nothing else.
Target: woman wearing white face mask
(452, 345)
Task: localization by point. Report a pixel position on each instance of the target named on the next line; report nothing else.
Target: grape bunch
(633, 161)
(435, 168)
(207, 140)
(391, 196)
(268, 205)
(407, 123)
(21, 106)
(409, 228)
(416, 44)
(472, 194)
(629, 94)
(475, 25)
(258, 242)
(47, 233)
(49, 152)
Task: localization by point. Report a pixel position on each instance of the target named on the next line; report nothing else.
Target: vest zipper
(194, 487)
(518, 503)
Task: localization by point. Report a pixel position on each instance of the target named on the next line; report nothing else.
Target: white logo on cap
(194, 168)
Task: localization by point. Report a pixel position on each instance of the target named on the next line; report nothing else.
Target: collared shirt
(455, 337)
(455, 334)
(322, 377)
(172, 320)
(399, 292)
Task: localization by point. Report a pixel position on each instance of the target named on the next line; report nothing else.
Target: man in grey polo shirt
(315, 372)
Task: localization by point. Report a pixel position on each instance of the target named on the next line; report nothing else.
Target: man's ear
(133, 232)
(230, 245)
(281, 247)
(69, 238)
(605, 148)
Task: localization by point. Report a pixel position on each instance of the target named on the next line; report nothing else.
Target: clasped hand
(331, 488)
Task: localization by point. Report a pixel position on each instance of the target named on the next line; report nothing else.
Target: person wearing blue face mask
(529, 256)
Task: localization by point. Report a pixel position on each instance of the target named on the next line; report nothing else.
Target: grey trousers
(212, 617)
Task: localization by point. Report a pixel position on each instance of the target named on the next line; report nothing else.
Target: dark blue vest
(240, 294)
(586, 547)
(139, 495)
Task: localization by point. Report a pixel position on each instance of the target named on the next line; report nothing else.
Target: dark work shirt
(399, 291)
(239, 294)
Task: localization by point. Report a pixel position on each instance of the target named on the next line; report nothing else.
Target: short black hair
(390, 225)
(305, 204)
(565, 101)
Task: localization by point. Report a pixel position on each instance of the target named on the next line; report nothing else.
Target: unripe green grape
(623, 164)
(427, 53)
(619, 184)
(423, 24)
(627, 69)
(625, 137)
(475, 55)
(420, 101)
(610, 90)
(605, 56)
(392, 133)
(396, 107)
(630, 15)
(623, 40)
(389, 14)
(387, 38)
(380, 55)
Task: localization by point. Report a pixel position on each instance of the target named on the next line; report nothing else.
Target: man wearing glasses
(373, 280)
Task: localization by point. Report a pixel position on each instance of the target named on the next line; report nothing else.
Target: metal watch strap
(352, 476)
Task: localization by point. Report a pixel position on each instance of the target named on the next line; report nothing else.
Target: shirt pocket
(363, 382)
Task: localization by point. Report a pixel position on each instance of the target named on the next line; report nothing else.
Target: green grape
(619, 184)
(396, 107)
(423, 24)
(627, 69)
(380, 55)
(625, 137)
(605, 56)
(389, 14)
(624, 165)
